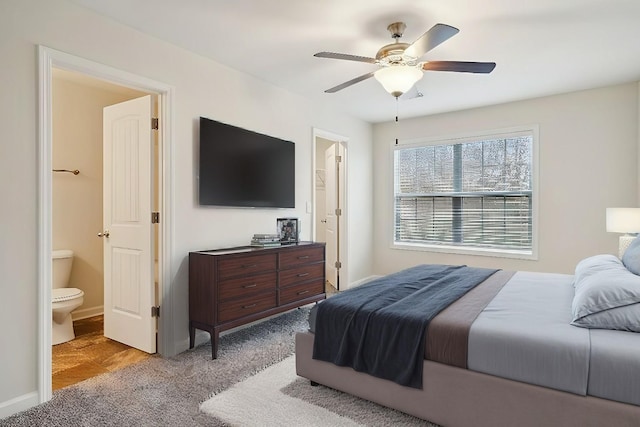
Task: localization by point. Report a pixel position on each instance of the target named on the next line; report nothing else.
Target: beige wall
(588, 149)
(202, 88)
(77, 199)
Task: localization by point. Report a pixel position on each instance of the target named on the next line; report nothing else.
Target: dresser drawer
(231, 310)
(302, 256)
(240, 266)
(304, 290)
(244, 286)
(304, 273)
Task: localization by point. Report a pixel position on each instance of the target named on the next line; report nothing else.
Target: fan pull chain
(396, 120)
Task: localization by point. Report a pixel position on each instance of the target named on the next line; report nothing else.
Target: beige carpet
(167, 392)
(278, 397)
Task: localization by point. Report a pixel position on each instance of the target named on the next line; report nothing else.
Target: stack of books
(265, 240)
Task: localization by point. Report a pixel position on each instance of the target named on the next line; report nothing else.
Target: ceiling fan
(400, 65)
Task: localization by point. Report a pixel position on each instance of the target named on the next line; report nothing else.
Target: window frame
(468, 137)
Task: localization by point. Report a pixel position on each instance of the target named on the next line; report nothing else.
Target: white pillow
(594, 264)
(607, 296)
(625, 318)
(631, 257)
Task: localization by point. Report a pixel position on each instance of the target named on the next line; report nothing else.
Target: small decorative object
(288, 230)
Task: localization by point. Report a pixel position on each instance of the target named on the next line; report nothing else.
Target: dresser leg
(214, 344)
(192, 335)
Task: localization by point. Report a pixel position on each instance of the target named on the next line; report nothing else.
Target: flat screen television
(241, 168)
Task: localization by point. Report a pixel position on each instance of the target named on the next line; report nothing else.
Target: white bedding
(615, 365)
(524, 335)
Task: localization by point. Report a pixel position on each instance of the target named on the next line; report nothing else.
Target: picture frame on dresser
(288, 230)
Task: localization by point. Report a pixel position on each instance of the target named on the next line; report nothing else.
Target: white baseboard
(363, 281)
(18, 404)
(87, 312)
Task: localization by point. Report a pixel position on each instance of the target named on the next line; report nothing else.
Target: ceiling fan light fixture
(398, 79)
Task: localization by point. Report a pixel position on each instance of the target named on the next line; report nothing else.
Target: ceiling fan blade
(350, 82)
(460, 66)
(333, 55)
(412, 93)
(432, 38)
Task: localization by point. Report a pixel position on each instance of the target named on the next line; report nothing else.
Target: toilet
(64, 299)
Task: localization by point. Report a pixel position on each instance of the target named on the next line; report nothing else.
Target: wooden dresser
(234, 286)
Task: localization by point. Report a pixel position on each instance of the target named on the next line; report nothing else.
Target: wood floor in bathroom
(90, 354)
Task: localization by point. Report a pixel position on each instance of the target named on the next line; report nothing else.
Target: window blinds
(474, 193)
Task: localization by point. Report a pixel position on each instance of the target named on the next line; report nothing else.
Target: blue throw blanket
(379, 328)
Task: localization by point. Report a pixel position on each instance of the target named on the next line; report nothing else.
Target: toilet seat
(65, 294)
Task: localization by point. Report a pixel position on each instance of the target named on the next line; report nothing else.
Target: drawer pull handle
(250, 286)
(302, 292)
(249, 306)
(303, 274)
(304, 257)
(249, 266)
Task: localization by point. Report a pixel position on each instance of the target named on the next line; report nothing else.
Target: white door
(332, 229)
(129, 291)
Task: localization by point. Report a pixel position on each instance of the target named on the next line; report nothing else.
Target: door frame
(49, 59)
(343, 186)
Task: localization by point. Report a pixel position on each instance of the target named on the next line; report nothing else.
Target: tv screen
(242, 168)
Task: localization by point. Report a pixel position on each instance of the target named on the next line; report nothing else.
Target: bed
(520, 348)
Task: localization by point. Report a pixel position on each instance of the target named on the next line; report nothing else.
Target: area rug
(278, 397)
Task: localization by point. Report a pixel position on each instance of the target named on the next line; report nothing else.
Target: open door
(129, 291)
(332, 214)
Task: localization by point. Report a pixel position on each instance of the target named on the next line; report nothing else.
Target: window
(474, 194)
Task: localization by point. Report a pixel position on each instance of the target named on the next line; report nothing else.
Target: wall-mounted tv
(242, 168)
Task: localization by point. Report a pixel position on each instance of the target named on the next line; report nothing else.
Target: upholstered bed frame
(459, 397)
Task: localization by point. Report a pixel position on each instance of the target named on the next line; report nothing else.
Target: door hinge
(338, 264)
(155, 123)
(155, 311)
(338, 212)
(338, 159)
(155, 217)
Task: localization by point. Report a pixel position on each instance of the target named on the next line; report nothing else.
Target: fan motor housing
(394, 54)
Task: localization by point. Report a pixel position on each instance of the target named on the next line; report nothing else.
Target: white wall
(202, 88)
(77, 199)
(588, 162)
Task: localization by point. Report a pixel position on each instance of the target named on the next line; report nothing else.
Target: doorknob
(323, 221)
(104, 234)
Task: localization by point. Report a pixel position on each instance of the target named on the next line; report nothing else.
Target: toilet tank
(62, 260)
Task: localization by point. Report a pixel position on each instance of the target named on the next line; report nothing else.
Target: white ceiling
(541, 47)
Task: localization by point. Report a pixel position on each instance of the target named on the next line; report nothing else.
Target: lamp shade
(397, 79)
(623, 220)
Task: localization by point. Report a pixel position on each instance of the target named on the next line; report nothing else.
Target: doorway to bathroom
(329, 213)
(81, 211)
(75, 96)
